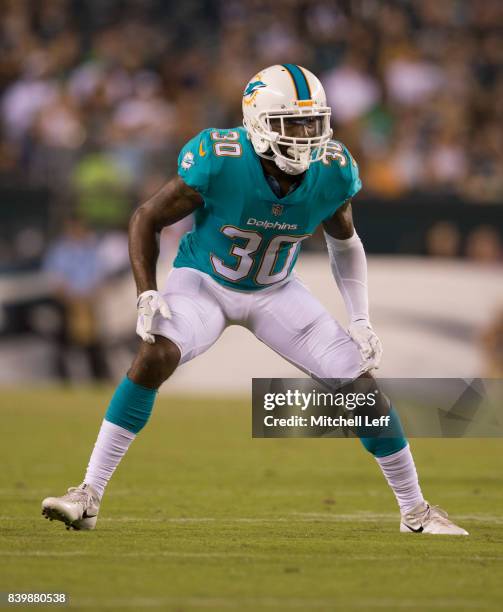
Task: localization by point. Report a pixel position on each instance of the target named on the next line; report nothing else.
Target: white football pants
(287, 318)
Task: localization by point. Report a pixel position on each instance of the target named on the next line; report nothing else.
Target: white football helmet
(275, 102)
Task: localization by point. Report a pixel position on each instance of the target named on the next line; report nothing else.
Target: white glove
(149, 303)
(368, 343)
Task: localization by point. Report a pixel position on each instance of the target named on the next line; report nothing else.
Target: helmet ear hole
(260, 144)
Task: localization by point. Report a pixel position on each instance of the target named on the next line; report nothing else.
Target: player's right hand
(149, 303)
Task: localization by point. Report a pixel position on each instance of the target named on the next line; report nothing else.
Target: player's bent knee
(155, 363)
(166, 352)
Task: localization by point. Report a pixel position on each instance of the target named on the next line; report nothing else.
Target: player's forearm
(143, 250)
(173, 202)
(349, 267)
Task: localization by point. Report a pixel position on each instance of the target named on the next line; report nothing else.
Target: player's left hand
(368, 343)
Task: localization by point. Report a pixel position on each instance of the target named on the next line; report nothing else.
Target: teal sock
(131, 406)
(393, 438)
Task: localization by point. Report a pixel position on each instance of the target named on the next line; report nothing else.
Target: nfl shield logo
(277, 210)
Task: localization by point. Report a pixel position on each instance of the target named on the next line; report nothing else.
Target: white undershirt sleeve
(349, 267)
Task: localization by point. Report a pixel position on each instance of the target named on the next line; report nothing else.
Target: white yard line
(294, 517)
(134, 555)
(363, 517)
(224, 554)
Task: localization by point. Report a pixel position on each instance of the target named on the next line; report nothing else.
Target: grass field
(201, 517)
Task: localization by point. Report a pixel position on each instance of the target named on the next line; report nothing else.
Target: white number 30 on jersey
(265, 274)
(225, 144)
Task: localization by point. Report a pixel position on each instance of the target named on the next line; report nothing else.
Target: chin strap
(290, 167)
(262, 147)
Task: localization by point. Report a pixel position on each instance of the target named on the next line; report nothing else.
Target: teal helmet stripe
(300, 81)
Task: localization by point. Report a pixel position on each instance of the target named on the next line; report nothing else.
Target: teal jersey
(245, 236)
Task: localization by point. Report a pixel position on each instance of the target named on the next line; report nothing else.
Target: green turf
(199, 516)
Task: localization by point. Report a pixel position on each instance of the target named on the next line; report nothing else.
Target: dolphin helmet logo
(251, 90)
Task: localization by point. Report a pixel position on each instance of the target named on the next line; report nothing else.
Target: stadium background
(96, 99)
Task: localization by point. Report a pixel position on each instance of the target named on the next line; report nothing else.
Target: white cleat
(78, 509)
(429, 519)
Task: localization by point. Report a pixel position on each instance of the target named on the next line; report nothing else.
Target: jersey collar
(292, 198)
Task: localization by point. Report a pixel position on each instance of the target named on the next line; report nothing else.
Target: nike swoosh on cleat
(202, 152)
(418, 530)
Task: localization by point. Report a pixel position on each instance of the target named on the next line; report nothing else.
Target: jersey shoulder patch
(340, 172)
(203, 157)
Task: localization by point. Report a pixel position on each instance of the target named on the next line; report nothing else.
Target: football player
(256, 192)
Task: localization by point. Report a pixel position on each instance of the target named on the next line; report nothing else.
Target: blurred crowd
(98, 96)
(103, 93)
